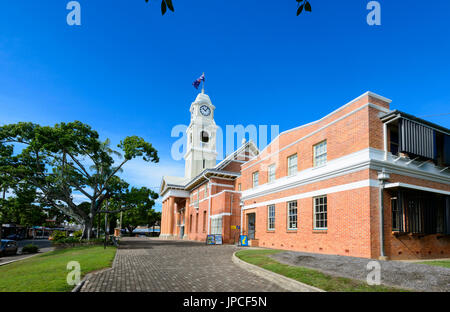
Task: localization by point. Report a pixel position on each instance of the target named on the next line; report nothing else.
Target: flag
(197, 82)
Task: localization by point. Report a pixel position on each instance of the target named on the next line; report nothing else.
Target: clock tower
(201, 137)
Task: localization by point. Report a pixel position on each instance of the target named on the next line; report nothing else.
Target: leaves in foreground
(302, 5)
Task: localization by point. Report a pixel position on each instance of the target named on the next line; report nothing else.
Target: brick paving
(153, 265)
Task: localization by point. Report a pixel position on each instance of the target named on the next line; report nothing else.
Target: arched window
(204, 137)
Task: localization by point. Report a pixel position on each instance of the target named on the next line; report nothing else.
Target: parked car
(15, 237)
(8, 247)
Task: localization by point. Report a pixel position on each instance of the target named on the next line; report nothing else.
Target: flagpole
(203, 87)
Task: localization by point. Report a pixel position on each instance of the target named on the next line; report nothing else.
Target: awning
(416, 187)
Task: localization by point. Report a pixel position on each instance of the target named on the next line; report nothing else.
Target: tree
(6, 181)
(301, 5)
(139, 204)
(69, 159)
(21, 207)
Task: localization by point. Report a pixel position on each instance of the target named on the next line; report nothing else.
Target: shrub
(30, 248)
(69, 240)
(58, 235)
(78, 234)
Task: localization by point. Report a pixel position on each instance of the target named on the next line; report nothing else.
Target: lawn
(48, 273)
(308, 276)
(441, 263)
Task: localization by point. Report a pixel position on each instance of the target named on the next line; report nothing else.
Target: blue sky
(127, 70)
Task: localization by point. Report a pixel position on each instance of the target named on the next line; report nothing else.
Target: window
(292, 215)
(204, 137)
(320, 213)
(216, 226)
(271, 217)
(320, 154)
(196, 223)
(393, 132)
(239, 187)
(292, 165)
(271, 173)
(396, 215)
(190, 224)
(204, 221)
(196, 202)
(206, 190)
(255, 179)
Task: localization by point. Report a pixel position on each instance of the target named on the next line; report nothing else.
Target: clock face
(205, 110)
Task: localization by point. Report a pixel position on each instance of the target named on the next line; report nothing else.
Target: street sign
(243, 240)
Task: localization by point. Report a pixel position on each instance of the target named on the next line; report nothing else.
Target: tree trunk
(88, 229)
(98, 226)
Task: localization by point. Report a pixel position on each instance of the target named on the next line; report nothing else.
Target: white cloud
(141, 173)
(79, 198)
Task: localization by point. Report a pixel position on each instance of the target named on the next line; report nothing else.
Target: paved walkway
(421, 277)
(153, 265)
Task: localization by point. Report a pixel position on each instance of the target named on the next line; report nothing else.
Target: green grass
(48, 273)
(441, 263)
(308, 276)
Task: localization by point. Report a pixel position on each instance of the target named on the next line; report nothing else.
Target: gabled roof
(239, 154)
(170, 182)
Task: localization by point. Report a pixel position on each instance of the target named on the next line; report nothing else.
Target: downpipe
(382, 178)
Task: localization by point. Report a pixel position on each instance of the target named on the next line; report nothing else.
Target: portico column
(187, 219)
(170, 207)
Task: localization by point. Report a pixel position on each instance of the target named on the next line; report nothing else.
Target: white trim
(369, 158)
(224, 185)
(175, 193)
(220, 215)
(215, 195)
(380, 108)
(416, 187)
(225, 191)
(325, 191)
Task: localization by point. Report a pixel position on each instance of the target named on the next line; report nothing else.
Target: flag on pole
(197, 82)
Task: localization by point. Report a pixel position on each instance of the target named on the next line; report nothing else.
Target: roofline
(211, 172)
(368, 93)
(230, 157)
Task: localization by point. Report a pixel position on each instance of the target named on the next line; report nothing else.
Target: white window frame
(216, 225)
(320, 154)
(323, 212)
(271, 217)
(206, 190)
(255, 174)
(271, 176)
(294, 216)
(292, 166)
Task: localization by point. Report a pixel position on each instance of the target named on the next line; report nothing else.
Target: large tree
(301, 5)
(69, 160)
(137, 205)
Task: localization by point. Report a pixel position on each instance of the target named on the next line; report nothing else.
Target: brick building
(363, 181)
